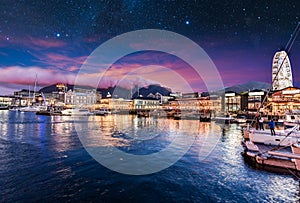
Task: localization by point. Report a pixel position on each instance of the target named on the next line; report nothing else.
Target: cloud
(59, 61)
(19, 75)
(37, 43)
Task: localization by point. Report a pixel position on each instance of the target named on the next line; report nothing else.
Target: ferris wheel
(284, 77)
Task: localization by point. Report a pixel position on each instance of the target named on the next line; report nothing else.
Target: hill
(251, 85)
(117, 91)
(152, 89)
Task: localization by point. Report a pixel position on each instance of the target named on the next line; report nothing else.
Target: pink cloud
(49, 43)
(60, 61)
(60, 58)
(26, 76)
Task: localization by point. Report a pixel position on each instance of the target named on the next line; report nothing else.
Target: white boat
(15, 109)
(76, 112)
(101, 112)
(224, 119)
(280, 121)
(292, 120)
(29, 109)
(289, 124)
(287, 158)
(241, 119)
(282, 138)
(4, 107)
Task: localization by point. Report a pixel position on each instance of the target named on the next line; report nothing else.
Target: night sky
(53, 38)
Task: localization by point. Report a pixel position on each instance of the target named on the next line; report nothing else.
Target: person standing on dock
(261, 124)
(272, 126)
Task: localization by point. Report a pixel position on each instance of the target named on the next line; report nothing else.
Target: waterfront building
(59, 94)
(116, 104)
(146, 103)
(24, 97)
(211, 103)
(255, 99)
(281, 71)
(283, 101)
(80, 97)
(190, 95)
(215, 103)
(6, 101)
(232, 102)
(162, 98)
(176, 95)
(186, 104)
(23, 93)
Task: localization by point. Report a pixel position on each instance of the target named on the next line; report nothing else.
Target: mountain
(52, 88)
(117, 91)
(152, 89)
(251, 85)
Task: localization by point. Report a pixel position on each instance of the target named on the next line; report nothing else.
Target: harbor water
(43, 158)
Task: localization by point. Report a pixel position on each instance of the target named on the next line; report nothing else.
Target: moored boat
(224, 119)
(101, 112)
(4, 107)
(29, 109)
(292, 119)
(76, 112)
(282, 137)
(143, 113)
(241, 119)
(281, 150)
(286, 158)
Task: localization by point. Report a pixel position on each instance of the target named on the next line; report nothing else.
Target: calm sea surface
(43, 159)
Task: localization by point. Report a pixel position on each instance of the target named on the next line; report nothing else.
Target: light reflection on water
(45, 152)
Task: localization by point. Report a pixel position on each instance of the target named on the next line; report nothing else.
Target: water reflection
(41, 150)
(118, 130)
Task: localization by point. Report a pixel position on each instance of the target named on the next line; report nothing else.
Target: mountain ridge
(120, 92)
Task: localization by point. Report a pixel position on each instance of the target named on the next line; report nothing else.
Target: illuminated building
(254, 100)
(285, 100)
(201, 104)
(6, 101)
(116, 105)
(232, 101)
(80, 97)
(145, 103)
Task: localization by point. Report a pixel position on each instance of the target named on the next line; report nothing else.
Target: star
(57, 34)
(187, 22)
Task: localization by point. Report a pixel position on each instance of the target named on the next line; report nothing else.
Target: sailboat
(31, 108)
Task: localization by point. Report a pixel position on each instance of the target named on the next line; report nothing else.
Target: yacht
(241, 119)
(101, 112)
(224, 119)
(29, 109)
(281, 138)
(292, 120)
(76, 112)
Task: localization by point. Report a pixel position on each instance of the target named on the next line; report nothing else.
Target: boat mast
(34, 89)
(28, 95)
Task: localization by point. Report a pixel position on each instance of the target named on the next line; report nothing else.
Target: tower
(284, 78)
